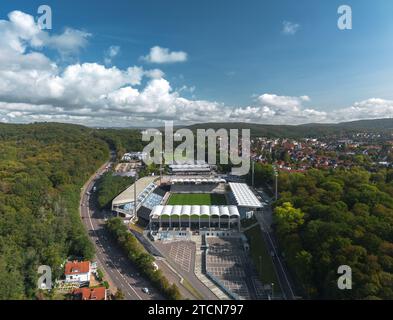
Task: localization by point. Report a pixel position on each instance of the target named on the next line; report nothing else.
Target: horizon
(201, 123)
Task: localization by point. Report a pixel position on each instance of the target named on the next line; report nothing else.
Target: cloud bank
(35, 88)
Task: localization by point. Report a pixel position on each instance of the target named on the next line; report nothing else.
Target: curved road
(118, 270)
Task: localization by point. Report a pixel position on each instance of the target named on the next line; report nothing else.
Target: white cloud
(275, 109)
(164, 55)
(373, 108)
(290, 28)
(110, 54)
(154, 73)
(35, 88)
(21, 31)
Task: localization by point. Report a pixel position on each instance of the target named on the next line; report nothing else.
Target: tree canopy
(325, 219)
(42, 169)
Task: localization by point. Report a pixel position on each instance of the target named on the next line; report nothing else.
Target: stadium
(193, 215)
(191, 199)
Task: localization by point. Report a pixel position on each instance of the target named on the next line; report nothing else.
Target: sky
(138, 63)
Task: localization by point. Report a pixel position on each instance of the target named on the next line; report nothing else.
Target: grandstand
(135, 195)
(190, 169)
(195, 217)
(195, 184)
(242, 196)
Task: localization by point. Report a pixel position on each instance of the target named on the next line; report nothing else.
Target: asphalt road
(118, 270)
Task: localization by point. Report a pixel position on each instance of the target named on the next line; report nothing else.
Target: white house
(77, 271)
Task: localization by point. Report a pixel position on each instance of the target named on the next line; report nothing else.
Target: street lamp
(135, 199)
(272, 290)
(253, 172)
(276, 181)
(161, 168)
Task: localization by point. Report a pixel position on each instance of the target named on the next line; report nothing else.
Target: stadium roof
(127, 195)
(198, 180)
(244, 196)
(189, 167)
(187, 210)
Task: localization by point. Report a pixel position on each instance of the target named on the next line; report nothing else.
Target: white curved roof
(194, 210)
(214, 210)
(176, 210)
(186, 210)
(205, 211)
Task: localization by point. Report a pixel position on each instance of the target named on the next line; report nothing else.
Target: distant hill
(266, 130)
(305, 130)
(377, 124)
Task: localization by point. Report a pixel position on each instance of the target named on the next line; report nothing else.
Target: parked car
(146, 290)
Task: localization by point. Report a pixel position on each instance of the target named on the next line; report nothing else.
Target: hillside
(305, 130)
(42, 168)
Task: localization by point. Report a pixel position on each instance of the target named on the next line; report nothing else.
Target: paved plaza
(227, 261)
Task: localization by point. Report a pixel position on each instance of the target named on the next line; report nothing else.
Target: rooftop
(187, 210)
(127, 195)
(198, 180)
(76, 267)
(244, 196)
(91, 293)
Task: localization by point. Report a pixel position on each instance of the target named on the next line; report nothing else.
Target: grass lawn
(197, 199)
(264, 265)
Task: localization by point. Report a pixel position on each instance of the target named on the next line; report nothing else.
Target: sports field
(197, 199)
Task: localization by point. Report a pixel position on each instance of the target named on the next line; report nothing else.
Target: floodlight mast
(135, 199)
(253, 172)
(276, 181)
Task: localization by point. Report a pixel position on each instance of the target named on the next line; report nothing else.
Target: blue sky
(237, 51)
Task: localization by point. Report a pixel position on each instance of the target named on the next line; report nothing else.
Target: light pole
(253, 171)
(260, 265)
(161, 168)
(276, 181)
(272, 290)
(135, 199)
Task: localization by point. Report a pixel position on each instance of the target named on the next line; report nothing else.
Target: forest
(324, 219)
(42, 169)
(109, 186)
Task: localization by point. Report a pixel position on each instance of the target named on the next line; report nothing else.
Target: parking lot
(225, 261)
(181, 253)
